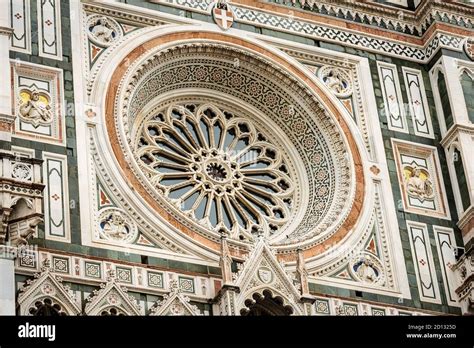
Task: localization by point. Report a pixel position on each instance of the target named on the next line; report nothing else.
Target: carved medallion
(265, 275)
(113, 299)
(368, 269)
(22, 171)
(103, 31)
(338, 80)
(47, 289)
(115, 225)
(176, 309)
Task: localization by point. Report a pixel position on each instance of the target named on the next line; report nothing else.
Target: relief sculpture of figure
(335, 82)
(102, 31)
(35, 111)
(366, 272)
(115, 226)
(417, 186)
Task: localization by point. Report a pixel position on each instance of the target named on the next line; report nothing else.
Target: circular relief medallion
(115, 225)
(368, 269)
(103, 31)
(113, 299)
(176, 309)
(338, 80)
(48, 289)
(21, 171)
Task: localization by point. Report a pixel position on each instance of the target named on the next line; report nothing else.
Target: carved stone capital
(308, 299)
(6, 31)
(6, 122)
(466, 224)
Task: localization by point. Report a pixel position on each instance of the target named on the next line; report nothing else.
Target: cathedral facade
(244, 157)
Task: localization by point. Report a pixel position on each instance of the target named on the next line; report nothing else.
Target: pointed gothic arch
(47, 307)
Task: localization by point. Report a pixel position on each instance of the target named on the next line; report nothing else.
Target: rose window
(212, 147)
(217, 167)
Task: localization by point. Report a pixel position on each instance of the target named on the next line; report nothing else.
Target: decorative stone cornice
(386, 17)
(369, 13)
(11, 156)
(132, 15)
(318, 27)
(444, 34)
(308, 299)
(7, 118)
(6, 122)
(454, 131)
(6, 31)
(467, 217)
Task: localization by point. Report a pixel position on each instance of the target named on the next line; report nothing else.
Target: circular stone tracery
(218, 167)
(329, 169)
(217, 171)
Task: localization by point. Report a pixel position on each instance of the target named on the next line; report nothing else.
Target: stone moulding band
(420, 49)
